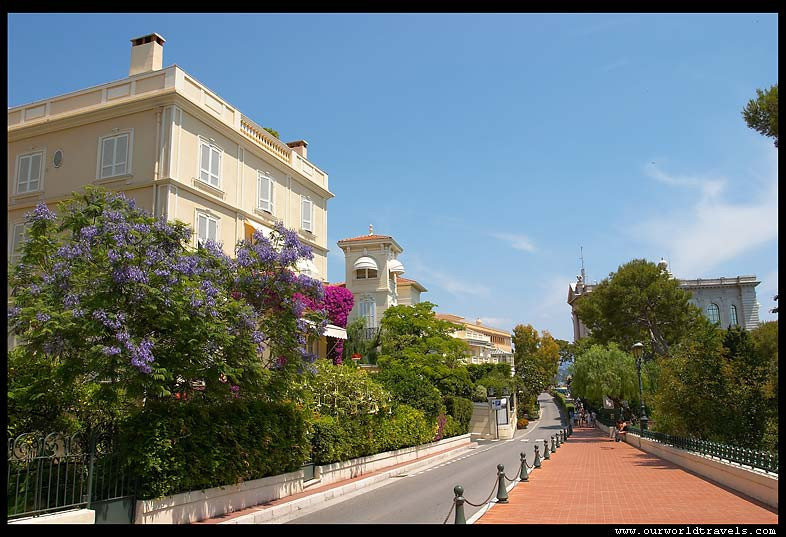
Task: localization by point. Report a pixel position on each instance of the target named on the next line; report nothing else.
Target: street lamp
(638, 353)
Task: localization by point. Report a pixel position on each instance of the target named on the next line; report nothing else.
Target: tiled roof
(367, 237)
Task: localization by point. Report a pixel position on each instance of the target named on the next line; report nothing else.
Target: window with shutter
(207, 229)
(265, 193)
(307, 213)
(17, 240)
(28, 177)
(210, 164)
(114, 156)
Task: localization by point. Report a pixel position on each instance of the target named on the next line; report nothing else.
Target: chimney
(299, 147)
(147, 54)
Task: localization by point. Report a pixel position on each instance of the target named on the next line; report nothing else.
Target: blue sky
(490, 146)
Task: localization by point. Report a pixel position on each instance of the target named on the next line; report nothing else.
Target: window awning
(259, 227)
(365, 262)
(396, 267)
(335, 331)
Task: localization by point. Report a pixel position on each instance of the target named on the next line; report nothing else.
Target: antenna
(583, 275)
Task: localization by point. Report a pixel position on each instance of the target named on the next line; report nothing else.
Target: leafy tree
(761, 114)
(536, 359)
(605, 371)
(765, 341)
(413, 337)
(113, 307)
(412, 332)
(639, 303)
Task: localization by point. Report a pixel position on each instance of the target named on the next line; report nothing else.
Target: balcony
(370, 333)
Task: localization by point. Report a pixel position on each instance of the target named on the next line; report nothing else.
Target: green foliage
(761, 114)
(274, 132)
(411, 333)
(356, 343)
(692, 397)
(639, 303)
(410, 387)
(536, 358)
(718, 387)
(343, 392)
(563, 403)
(453, 428)
(459, 409)
(605, 371)
(174, 446)
(333, 441)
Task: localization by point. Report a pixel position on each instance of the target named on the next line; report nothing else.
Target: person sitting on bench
(622, 430)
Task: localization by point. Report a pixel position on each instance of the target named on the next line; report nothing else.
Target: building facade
(725, 301)
(175, 147)
(487, 345)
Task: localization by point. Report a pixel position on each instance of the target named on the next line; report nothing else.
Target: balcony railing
(370, 333)
(762, 460)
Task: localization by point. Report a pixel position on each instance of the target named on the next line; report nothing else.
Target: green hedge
(177, 446)
(460, 410)
(335, 440)
(563, 404)
(409, 387)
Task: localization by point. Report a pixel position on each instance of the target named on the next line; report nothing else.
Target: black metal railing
(370, 333)
(55, 472)
(763, 460)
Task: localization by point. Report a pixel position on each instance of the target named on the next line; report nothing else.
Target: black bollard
(458, 490)
(523, 475)
(536, 463)
(502, 493)
(546, 455)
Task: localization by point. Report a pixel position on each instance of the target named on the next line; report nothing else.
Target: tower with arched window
(373, 275)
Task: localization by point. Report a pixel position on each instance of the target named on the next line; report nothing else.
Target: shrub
(522, 423)
(453, 428)
(459, 409)
(409, 387)
(336, 440)
(175, 447)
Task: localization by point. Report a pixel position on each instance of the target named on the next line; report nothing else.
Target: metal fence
(762, 460)
(55, 472)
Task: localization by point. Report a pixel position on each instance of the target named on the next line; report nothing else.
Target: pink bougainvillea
(338, 303)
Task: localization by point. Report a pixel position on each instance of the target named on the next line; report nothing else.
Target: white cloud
(614, 65)
(715, 229)
(502, 323)
(428, 276)
(519, 242)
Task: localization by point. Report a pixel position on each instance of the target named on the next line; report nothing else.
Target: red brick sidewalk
(592, 480)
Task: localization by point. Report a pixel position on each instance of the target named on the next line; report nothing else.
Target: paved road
(426, 496)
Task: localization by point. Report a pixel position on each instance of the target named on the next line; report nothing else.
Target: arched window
(713, 313)
(733, 315)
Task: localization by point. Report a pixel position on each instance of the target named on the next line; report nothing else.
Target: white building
(373, 275)
(725, 301)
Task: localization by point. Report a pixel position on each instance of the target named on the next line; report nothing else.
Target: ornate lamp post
(638, 353)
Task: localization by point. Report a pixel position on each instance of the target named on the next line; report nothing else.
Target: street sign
(499, 404)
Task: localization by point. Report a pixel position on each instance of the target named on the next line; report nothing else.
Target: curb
(302, 506)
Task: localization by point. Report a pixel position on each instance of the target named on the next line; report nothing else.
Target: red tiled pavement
(593, 480)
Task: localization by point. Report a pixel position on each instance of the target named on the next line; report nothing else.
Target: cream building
(373, 275)
(487, 345)
(725, 301)
(176, 147)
